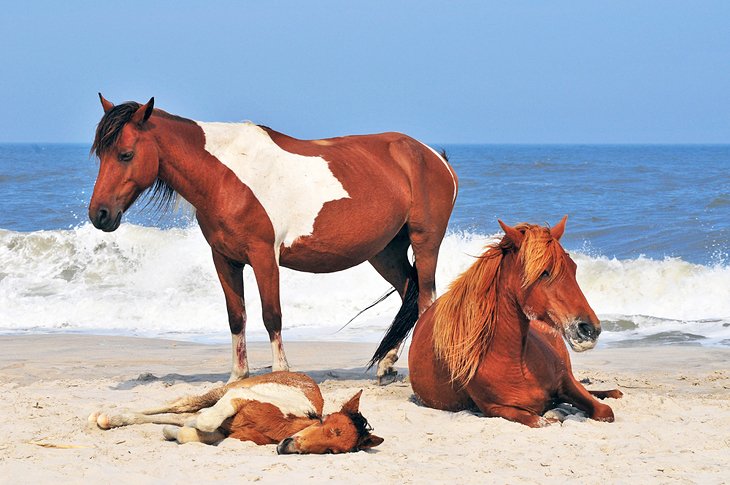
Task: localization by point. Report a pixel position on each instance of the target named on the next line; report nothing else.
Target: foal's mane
(466, 315)
(160, 195)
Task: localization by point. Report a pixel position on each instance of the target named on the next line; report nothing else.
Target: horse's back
(297, 381)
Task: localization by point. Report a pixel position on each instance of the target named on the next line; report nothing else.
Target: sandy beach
(672, 426)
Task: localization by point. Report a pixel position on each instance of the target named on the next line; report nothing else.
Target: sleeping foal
(279, 407)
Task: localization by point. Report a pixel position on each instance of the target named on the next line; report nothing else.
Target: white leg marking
(239, 367)
(278, 357)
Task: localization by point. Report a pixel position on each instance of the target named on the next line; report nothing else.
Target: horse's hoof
(388, 377)
(102, 421)
(91, 420)
(556, 415)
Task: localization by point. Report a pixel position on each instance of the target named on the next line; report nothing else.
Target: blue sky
(460, 71)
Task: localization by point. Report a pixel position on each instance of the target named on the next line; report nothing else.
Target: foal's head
(341, 432)
(546, 288)
(129, 161)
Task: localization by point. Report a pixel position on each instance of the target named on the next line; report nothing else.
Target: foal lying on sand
(279, 407)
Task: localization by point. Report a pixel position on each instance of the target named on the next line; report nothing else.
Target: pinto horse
(279, 407)
(266, 199)
(493, 341)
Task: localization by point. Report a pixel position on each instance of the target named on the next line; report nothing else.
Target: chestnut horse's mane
(161, 195)
(466, 315)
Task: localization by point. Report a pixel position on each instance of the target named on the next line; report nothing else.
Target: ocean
(648, 226)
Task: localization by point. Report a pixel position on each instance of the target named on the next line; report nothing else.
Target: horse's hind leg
(392, 264)
(106, 421)
(187, 434)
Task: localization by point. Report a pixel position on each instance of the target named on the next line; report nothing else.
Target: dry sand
(673, 424)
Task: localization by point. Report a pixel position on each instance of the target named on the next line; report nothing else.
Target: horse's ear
(144, 112)
(353, 405)
(512, 234)
(105, 103)
(557, 231)
(369, 441)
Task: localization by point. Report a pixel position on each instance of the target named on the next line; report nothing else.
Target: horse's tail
(403, 322)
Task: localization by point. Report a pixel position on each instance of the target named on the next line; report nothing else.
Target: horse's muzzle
(285, 447)
(582, 335)
(103, 219)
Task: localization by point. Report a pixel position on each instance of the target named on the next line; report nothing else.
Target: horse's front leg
(510, 413)
(574, 393)
(266, 270)
(230, 275)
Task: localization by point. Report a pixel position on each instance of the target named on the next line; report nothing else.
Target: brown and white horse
(279, 407)
(493, 341)
(266, 199)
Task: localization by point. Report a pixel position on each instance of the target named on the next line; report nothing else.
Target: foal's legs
(266, 270)
(230, 275)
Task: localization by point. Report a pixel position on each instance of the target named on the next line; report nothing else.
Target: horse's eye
(126, 156)
(545, 274)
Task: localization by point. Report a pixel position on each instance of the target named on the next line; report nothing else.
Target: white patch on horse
(446, 164)
(292, 188)
(289, 400)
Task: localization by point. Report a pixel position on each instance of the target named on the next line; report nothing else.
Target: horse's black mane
(160, 195)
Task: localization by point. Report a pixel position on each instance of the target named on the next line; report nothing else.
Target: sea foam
(161, 283)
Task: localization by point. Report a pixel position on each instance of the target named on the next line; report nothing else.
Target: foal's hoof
(102, 421)
(170, 432)
(91, 420)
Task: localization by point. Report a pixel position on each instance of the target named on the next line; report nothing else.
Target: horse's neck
(184, 164)
(281, 427)
(511, 326)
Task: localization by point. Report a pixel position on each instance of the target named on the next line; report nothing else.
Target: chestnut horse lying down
(493, 341)
(280, 407)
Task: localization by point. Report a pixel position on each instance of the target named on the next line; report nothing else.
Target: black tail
(403, 322)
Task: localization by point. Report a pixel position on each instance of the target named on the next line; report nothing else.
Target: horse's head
(547, 289)
(129, 161)
(341, 432)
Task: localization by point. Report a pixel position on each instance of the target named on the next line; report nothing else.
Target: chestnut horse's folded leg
(611, 394)
(512, 414)
(230, 275)
(574, 393)
(266, 270)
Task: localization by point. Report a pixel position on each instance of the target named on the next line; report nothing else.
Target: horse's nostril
(103, 215)
(586, 331)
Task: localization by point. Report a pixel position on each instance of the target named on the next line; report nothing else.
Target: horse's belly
(314, 256)
(346, 233)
